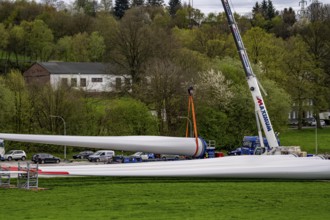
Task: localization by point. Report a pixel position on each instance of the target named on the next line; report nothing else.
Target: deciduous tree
(131, 43)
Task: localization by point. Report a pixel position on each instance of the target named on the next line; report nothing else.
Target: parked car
(143, 156)
(83, 155)
(322, 122)
(126, 159)
(45, 158)
(101, 155)
(15, 155)
(169, 157)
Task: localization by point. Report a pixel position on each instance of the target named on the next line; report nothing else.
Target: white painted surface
(254, 166)
(154, 144)
(108, 83)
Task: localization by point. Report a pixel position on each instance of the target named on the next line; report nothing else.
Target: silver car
(15, 155)
(170, 157)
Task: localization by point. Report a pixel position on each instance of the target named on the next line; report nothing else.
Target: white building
(91, 77)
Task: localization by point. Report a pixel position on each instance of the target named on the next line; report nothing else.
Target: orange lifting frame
(191, 105)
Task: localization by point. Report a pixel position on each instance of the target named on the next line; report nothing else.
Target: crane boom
(251, 78)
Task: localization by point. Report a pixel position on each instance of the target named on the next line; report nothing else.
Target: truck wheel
(9, 158)
(23, 158)
(98, 160)
(57, 161)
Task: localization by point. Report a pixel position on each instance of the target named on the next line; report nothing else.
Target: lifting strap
(192, 107)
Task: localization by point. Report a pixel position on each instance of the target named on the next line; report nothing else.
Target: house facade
(307, 113)
(90, 77)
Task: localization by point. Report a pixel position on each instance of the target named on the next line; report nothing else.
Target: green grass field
(306, 139)
(175, 198)
(167, 198)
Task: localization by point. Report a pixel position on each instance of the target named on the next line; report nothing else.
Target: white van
(101, 155)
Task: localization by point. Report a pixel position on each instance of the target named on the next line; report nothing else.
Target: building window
(74, 82)
(83, 82)
(97, 80)
(64, 81)
(118, 84)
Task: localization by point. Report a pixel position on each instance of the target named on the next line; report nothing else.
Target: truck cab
(251, 146)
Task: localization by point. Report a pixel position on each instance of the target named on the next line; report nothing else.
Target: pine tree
(270, 10)
(120, 7)
(264, 8)
(256, 9)
(174, 6)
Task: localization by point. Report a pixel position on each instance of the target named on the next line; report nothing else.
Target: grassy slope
(306, 139)
(168, 198)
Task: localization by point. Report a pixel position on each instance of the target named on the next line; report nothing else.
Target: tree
(106, 5)
(213, 125)
(263, 15)
(264, 8)
(4, 37)
(256, 9)
(257, 42)
(136, 3)
(88, 7)
(106, 25)
(301, 70)
(121, 6)
(96, 47)
(155, 3)
(40, 40)
(316, 36)
(19, 119)
(289, 16)
(214, 89)
(131, 43)
(128, 117)
(7, 106)
(80, 46)
(318, 12)
(163, 90)
(17, 42)
(266, 52)
(64, 49)
(174, 6)
(271, 12)
(284, 27)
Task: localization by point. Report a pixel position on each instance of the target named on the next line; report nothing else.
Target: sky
(240, 6)
(244, 6)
